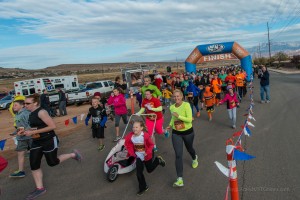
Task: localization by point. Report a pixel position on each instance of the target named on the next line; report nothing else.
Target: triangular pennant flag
(237, 134)
(250, 124)
(248, 130)
(81, 117)
(238, 155)
(229, 149)
(67, 122)
(251, 117)
(245, 130)
(3, 164)
(2, 144)
(74, 120)
(223, 169)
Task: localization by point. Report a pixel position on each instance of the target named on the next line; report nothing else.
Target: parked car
(6, 101)
(105, 88)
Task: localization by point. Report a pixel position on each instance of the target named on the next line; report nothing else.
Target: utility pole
(269, 44)
(259, 52)
(177, 63)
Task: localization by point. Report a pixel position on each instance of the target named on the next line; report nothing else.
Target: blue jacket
(192, 88)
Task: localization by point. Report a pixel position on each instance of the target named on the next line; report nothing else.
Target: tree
(295, 59)
(281, 56)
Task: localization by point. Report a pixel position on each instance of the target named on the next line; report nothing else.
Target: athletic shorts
(98, 132)
(218, 95)
(118, 118)
(24, 145)
(158, 126)
(210, 109)
(46, 145)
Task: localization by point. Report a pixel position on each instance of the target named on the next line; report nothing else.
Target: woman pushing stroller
(139, 145)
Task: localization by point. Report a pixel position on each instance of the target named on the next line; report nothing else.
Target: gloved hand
(87, 121)
(103, 121)
(138, 114)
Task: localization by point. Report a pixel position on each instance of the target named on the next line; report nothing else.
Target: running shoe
(178, 182)
(78, 156)
(17, 174)
(195, 162)
(141, 192)
(234, 127)
(167, 133)
(117, 139)
(101, 147)
(262, 101)
(161, 161)
(268, 101)
(155, 149)
(35, 194)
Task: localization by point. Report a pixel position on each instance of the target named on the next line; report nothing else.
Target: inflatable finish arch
(220, 48)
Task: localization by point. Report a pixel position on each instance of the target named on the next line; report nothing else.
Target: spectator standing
(62, 102)
(45, 101)
(264, 85)
(120, 84)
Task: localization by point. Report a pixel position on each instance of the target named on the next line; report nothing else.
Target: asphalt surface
(273, 174)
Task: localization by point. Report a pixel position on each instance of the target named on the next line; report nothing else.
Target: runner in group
(148, 86)
(182, 132)
(24, 142)
(139, 145)
(153, 106)
(45, 143)
(119, 102)
(99, 118)
(209, 101)
(232, 104)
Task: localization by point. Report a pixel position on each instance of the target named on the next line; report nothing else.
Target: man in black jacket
(263, 75)
(62, 102)
(45, 102)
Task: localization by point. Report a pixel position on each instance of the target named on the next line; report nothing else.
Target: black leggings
(47, 148)
(178, 141)
(150, 166)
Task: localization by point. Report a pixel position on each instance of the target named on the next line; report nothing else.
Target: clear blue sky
(37, 34)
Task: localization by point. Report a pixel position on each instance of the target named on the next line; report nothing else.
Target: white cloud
(153, 29)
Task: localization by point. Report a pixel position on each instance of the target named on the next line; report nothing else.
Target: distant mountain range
(290, 48)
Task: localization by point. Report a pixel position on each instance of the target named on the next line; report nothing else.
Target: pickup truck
(105, 88)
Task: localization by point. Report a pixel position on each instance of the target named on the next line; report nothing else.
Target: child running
(99, 118)
(166, 94)
(209, 100)
(139, 145)
(232, 104)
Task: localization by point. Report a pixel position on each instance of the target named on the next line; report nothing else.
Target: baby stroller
(117, 162)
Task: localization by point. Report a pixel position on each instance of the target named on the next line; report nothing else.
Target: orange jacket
(240, 79)
(208, 97)
(216, 85)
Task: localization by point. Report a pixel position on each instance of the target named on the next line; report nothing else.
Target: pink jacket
(232, 101)
(148, 145)
(119, 103)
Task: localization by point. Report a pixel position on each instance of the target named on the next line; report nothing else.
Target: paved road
(274, 174)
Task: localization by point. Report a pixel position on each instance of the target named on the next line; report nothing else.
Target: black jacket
(264, 78)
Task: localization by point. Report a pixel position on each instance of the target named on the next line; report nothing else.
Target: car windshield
(6, 98)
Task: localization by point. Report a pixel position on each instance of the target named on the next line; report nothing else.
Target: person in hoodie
(232, 104)
(119, 102)
(193, 93)
(24, 142)
(209, 101)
